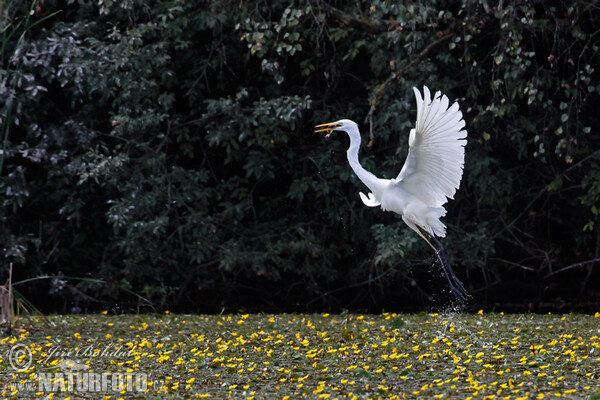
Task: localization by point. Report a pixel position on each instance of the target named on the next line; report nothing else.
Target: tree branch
(360, 24)
(396, 75)
(576, 265)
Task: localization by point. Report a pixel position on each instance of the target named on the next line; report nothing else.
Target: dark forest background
(161, 154)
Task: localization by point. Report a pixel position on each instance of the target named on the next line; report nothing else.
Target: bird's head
(342, 125)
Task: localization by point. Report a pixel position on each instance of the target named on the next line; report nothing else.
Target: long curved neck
(365, 176)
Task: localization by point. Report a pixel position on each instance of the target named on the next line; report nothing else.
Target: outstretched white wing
(436, 155)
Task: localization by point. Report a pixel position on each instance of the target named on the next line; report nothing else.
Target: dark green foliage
(167, 149)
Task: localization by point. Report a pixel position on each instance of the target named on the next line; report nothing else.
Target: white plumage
(434, 166)
(431, 173)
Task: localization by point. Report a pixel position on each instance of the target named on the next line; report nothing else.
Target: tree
(165, 148)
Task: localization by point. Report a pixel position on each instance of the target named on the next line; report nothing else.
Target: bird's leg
(455, 284)
(448, 269)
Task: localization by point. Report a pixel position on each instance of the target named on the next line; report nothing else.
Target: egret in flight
(430, 176)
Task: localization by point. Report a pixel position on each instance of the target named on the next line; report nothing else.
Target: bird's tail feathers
(426, 218)
(433, 223)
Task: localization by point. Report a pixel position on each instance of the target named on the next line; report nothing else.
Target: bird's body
(431, 173)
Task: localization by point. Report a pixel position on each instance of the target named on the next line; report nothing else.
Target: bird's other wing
(436, 156)
(370, 201)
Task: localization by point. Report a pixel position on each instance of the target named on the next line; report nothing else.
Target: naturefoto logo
(109, 351)
(72, 375)
(92, 382)
(20, 357)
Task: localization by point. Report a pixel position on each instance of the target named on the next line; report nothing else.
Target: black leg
(455, 284)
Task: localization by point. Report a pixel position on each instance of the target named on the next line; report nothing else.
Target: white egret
(430, 176)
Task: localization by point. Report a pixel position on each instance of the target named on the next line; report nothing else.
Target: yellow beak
(330, 126)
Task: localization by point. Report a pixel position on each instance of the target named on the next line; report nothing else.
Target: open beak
(328, 127)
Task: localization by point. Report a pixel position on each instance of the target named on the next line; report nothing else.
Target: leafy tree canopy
(163, 151)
